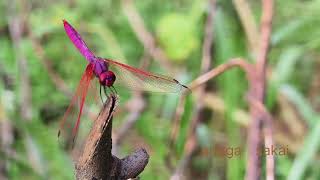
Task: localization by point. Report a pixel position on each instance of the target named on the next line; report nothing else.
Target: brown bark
(96, 160)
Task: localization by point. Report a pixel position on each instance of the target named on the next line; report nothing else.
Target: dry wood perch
(96, 160)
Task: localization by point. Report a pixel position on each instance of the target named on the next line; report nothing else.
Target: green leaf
(286, 64)
(302, 105)
(283, 72)
(307, 153)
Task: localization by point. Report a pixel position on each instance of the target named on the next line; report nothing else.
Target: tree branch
(96, 160)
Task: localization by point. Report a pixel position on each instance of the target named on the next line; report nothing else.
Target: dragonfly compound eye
(107, 78)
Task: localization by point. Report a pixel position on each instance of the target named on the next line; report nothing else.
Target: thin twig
(266, 27)
(208, 38)
(237, 62)
(257, 91)
(268, 136)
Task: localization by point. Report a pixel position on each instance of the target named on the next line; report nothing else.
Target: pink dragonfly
(133, 78)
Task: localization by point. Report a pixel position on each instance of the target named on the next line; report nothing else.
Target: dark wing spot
(186, 87)
(181, 84)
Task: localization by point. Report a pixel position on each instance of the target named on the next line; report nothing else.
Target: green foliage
(184, 125)
(155, 135)
(229, 46)
(307, 154)
(178, 36)
(7, 55)
(283, 72)
(50, 151)
(52, 16)
(178, 28)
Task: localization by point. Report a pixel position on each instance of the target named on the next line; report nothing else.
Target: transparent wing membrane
(138, 79)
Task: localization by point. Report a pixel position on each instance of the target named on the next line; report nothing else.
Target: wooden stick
(96, 160)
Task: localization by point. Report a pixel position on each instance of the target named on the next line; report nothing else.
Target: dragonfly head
(107, 78)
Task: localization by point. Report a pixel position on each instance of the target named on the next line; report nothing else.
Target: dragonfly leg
(101, 95)
(105, 91)
(114, 89)
(111, 90)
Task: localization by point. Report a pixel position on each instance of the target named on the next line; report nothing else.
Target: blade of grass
(229, 44)
(307, 153)
(302, 105)
(312, 141)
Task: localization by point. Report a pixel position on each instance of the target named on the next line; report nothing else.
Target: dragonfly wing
(75, 108)
(76, 39)
(138, 79)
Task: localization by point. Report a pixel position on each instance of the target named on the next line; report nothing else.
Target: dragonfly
(108, 72)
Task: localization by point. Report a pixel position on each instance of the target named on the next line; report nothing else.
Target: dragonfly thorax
(107, 78)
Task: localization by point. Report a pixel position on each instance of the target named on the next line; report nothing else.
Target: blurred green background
(44, 61)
